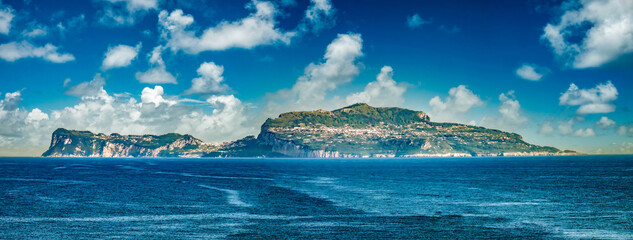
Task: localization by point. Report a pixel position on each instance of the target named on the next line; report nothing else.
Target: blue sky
(557, 72)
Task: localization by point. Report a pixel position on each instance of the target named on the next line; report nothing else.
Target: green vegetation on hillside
(358, 115)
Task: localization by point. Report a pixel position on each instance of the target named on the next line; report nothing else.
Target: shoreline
(447, 156)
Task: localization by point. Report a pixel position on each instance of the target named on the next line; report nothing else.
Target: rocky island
(358, 130)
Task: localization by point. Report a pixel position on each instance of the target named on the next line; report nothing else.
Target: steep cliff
(364, 131)
(66, 143)
(358, 130)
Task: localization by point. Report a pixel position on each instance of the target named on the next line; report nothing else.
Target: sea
(567, 197)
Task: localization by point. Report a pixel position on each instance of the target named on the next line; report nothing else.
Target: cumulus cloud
(124, 12)
(340, 66)
(221, 118)
(625, 130)
(416, 21)
(11, 101)
(605, 122)
(318, 16)
(13, 51)
(120, 56)
(259, 28)
(36, 115)
(605, 30)
(135, 5)
(158, 73)
(546, 128)
(20, 129)
(530, 72)
(584, 132)
(567, 128)
(511, 115)
(6, 16)
(455, 106)
(210, 80)
(155, 96)
(383, 92)
(227, 119)
(593, 100)
(91, 87)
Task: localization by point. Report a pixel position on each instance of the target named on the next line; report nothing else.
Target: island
(355, 131)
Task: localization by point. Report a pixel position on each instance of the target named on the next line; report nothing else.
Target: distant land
(355, 131)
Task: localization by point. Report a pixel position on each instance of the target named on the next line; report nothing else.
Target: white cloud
(605, 28)
(120, 56)
(455, 106)
(6, 16)
(586, 132)
(384, 92)
(625, 130)
(605, 122)
(13, 51)
(593, 100)
(92, 87)
(259, 28)
(210, 80)
(11, 101)
(72, 24)
(124, 12)
(35, 31)
(136, 5)
(158, 73)
(155, 96)
(318, 16)
(416, 21)
(156, 113)
(35, 116)
(227, 119)
(546, 128)
(529, 72)
(566, 127)
(510, 109)
(340, 66)
(66, 82)
(511, 118)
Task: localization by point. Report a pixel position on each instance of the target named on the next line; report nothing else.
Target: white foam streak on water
(143, 218)
(216, 177)
(232, 196)
(594, 234)
(45, 180)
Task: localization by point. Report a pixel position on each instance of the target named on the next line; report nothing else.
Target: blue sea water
(579, 197)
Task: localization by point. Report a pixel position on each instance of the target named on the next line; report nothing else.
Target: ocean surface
(580, 197)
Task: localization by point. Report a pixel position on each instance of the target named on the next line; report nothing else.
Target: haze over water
(529, 197)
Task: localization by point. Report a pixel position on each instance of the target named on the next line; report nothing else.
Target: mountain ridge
(358, 130)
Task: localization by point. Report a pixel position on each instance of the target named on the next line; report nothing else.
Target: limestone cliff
(358, 130)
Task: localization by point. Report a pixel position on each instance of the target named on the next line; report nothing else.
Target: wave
(216, 177)
(126, 167)
(45, 180)
(145, 218)
(232, 196)
(594, 234)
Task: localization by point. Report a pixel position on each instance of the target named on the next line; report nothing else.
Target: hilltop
(358, 130)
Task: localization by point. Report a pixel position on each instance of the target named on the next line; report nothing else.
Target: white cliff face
(70, 144)
(292, 150)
